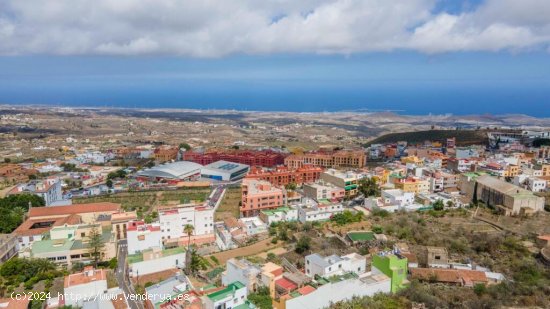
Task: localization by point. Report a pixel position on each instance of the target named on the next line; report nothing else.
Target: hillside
(463, 137)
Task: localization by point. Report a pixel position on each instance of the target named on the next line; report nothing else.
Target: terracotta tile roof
(286, 284)
(306, 289)
(25, 229)
(439, 275)
(9, 303)
(73, 209)
(460, 276)
(88, 275)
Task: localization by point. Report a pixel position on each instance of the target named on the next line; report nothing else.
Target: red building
(282, 175)
(249, 157)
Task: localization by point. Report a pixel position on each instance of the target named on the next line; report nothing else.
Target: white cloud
(213, 28)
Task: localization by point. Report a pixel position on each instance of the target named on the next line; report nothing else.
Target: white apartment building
(334, 265)
(173, 221)
(141, 236)
(49, 189)
(310, 211)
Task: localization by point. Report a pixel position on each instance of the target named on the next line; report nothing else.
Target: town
(135, 224)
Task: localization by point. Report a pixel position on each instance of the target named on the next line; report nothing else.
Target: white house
(310, 211)
(232, 296)
(156, 260)
(143, 236)
(84, 286)
(286, 214)
(173, 221)
(334, 265)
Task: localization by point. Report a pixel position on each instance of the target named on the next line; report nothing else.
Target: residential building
(119, 223)
(49, 189)
(282, 175)
(244, 271)
(330, 159)
(258, 195)
(287, 214)
(84, 286)
(349, 181)
(174, 219)
(338, 288)
(232, 296)
(317, 265)
(166, 153)
(392, 265)
(322, 210)
(174, 292)
(264, 158)
(156, 260)
(141, 236)
(321, 190)
(414, 185)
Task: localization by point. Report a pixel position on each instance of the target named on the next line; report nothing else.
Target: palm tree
(188, 229)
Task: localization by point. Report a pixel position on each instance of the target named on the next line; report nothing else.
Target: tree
(109, 183)
(438, 205)
(291, 186)
(7, 160)
(188, 229)
(196, 263)
(185, 146)
(261, 298)
(303, 244)
(96, 246)
(369, 187)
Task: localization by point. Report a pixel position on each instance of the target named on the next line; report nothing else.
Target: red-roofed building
(264, 158)
(282, 175)
(285, 286)
(142, 236)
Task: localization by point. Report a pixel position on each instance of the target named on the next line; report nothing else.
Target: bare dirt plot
(254, 249)
(230, 204)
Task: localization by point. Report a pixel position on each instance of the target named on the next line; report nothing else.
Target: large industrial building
(180, 170)
(225, 170)
(186, 170)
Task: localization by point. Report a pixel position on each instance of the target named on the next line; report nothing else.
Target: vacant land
(230, 204)
(463, 137)
(253, 249)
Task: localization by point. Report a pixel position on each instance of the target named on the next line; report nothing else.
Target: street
(122, 276)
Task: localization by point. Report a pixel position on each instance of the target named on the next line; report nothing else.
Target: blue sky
(417, 57)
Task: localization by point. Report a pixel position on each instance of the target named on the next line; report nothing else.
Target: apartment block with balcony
(258, 195)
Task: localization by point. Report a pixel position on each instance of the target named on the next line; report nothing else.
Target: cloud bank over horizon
(216, 28)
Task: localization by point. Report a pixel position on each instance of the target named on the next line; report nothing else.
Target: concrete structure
(49, 189)
(8, 247)
(287, 214)
(310, 210)
(264, 158)
(510, 199)
(260, 195)
(322, 190)
(181, 170)
(65, 245)
(392, 265)
(349, 181)
(435, 257)
(156, 260)
(141, 236)
(339, 288)
(330, 159)
(224, 170)
(84, 286)
(171, 290)
(173, 221)
(166, 153)
(242, 271)
(282, 175)
(232, 296)
(317, 265)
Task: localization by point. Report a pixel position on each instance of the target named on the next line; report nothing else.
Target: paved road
(122, 276)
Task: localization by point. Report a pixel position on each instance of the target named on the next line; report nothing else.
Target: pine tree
(96, 246)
